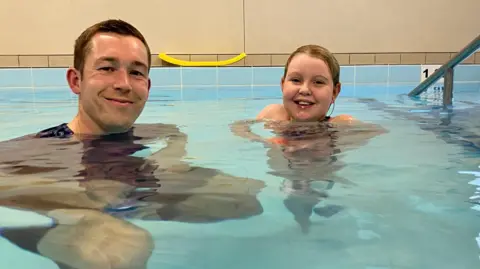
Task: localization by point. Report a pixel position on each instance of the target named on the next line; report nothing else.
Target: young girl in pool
(307, 141)
(310, 85)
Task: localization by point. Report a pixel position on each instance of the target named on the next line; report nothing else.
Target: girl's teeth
(303, 103)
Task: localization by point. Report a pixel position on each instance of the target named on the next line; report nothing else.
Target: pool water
(414, 201)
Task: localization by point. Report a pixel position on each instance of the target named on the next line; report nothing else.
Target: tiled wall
(176, 77)
(256, 27)
(48, 85)
(345, 59)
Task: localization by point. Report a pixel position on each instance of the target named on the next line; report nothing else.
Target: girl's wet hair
(321, 53)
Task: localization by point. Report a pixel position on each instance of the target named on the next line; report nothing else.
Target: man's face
(115, 83)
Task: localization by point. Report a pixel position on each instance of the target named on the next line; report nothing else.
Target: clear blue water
(414, 203)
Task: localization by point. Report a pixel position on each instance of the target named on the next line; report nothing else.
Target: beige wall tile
(179, 27)
(222, 57)
(156, 61)
(252, 59)
(258, 60)
(204, 57)
(412, 58)
(33, 60)
(342, 58)
(387, 58)
(279, 59)
(60, 60)
(270, 26)
(437, 58)
(9, 61)
(196, 25)
(362, 59)
(217, 26)
(185, 57)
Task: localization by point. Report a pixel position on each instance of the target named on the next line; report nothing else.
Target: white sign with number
(427, 70)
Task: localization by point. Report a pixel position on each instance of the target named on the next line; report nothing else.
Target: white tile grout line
(216, 81)
(227, 85)
(32, 83)
(388, 82)
(207, 86)
(388, 76)
(251, 82)
(240, 67)
(53, 88)
(181, 83)
(354, 80)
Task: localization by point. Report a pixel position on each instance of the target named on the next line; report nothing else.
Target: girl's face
(308, 89)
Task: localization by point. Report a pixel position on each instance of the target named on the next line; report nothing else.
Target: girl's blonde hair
(321, 53)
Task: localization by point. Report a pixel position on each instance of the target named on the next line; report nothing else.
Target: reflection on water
(307, 157)
(88, 185)
(119, 202)
(86, 239)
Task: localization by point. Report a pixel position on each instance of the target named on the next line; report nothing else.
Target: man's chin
(118, 127)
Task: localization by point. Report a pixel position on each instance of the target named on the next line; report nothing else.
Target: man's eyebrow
(140, 64)
(114, 60)
(107, 59)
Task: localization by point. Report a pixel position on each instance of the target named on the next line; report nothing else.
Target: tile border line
(252, 60)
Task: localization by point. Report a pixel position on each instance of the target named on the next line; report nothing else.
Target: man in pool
(75, 171)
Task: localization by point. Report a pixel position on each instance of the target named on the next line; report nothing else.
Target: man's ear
(73, 79)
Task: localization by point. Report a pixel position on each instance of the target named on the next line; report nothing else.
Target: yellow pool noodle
(174, 61)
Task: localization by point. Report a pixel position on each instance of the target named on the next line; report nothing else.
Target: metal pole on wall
(448, 88)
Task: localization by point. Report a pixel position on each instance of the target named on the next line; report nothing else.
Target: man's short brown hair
(82, 44)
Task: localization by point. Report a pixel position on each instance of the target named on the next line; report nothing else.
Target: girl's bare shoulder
(274, 112)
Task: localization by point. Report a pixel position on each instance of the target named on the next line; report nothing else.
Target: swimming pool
(414, 202)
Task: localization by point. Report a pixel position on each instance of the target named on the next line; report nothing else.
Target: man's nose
(122, 80)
